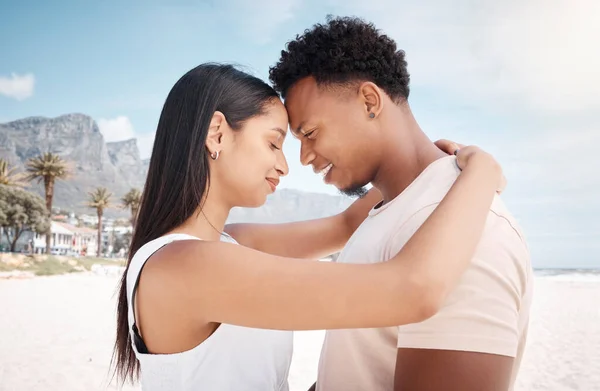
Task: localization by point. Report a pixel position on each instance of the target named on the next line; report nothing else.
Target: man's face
(336, 136)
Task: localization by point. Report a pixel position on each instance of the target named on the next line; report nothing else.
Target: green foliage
(100, 199)
(47, 167)
(21, 211)
(9, 175)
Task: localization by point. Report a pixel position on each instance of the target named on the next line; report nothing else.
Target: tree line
(22, 211)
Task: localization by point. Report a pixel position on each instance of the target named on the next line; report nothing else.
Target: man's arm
(306, 239)
(449, 370)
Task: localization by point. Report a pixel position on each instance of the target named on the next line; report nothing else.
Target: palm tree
(47, 167)
(9, 176)
(131, 200)
(100, 199)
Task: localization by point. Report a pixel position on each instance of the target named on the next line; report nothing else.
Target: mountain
(118, 167)
(287, 205)
(76, 138)
(125, 157)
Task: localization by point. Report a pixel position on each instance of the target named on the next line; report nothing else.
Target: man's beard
(355, 191)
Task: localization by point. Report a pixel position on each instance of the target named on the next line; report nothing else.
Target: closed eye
(309, 133)
(275, 147)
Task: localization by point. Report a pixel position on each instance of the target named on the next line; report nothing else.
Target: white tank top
(233, 358)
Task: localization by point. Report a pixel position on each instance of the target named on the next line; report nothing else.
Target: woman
(198, 311)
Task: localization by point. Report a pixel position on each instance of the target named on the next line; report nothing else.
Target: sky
(518, 78)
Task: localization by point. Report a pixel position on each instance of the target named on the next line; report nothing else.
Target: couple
(432, 288)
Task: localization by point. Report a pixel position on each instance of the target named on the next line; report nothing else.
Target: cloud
(16, 86)
(569, 159)
(570, 143)
(116, 129)
(145, 142)
(120, 128)
(510, 53)
(528, 71)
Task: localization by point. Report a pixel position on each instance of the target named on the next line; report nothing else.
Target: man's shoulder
(502, 228)
(423, 195)
(424, 192)
(499, 211)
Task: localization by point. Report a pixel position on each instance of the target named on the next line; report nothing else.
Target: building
(89, 219)
(68, 240)
(84, 240)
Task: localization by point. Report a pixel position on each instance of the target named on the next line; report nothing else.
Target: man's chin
(354, 191)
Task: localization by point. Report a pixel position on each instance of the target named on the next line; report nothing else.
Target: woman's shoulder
(186, 253)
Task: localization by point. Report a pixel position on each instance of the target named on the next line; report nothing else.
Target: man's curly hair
(343, 51)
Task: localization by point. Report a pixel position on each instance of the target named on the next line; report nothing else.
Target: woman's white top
(233, 358)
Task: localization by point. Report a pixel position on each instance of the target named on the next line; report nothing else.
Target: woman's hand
(474, 155)
(464, 155)
(450, 147)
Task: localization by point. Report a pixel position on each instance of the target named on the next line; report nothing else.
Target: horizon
(518, 79)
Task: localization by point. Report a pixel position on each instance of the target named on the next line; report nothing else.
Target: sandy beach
(56, 333)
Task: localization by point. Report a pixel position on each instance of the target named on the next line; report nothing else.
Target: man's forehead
(304, 87)
(302, 103)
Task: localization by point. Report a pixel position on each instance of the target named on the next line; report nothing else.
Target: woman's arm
(313, 239)
(232, 284)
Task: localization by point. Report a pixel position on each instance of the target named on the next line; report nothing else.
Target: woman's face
(251, 159)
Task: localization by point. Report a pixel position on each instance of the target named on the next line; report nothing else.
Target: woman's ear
(216, 130)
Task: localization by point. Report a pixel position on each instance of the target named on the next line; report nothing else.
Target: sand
(56, 333)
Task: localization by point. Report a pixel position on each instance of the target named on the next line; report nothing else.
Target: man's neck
(408, 152)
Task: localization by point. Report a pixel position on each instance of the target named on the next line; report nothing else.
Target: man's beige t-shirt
(487, 312)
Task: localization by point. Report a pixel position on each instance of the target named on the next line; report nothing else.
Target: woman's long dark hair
(179, 172)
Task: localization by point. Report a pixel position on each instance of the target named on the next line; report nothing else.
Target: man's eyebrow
(298, 131)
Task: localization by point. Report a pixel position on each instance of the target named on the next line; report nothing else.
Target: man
(346, 88)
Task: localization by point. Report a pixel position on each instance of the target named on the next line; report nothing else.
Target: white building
(67, 240)
(84, 241)
(120, 230)
(89, 219)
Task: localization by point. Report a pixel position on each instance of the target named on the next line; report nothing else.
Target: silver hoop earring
(214, 155)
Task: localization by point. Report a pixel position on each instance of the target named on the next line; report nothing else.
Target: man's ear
(372, 99)
(216, 130)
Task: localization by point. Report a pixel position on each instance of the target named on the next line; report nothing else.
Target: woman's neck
(208, 221)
